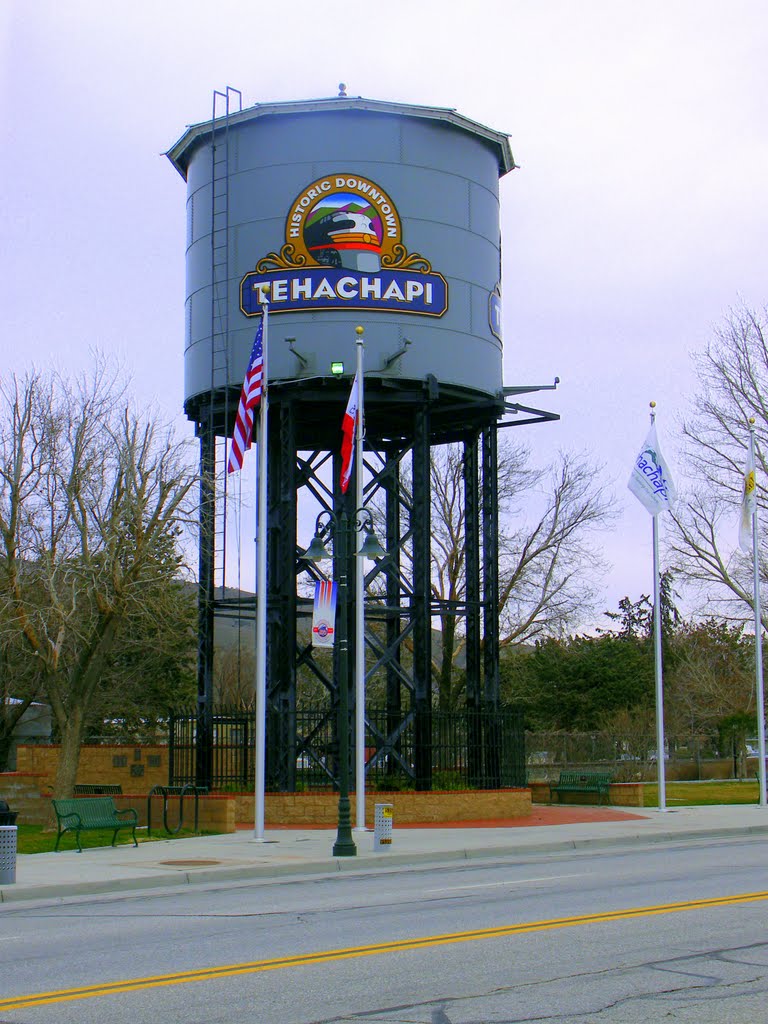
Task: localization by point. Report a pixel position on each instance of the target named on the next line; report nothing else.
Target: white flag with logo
(651, 481)
(748, 504)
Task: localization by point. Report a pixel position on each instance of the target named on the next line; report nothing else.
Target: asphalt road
(672, 933)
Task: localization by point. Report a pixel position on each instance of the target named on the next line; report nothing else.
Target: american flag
(250, 397)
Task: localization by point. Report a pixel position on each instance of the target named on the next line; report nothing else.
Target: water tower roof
(180, 153)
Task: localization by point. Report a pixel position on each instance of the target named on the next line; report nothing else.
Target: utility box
(382, 827)
(8, 835)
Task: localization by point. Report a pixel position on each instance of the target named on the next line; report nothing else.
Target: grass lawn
(38, 839)
(693, 794)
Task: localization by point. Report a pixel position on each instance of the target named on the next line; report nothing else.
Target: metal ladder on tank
(224, 104)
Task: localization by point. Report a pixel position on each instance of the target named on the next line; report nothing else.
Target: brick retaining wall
(408, 808)
(137, 768)
(216, 812)
(22, 792)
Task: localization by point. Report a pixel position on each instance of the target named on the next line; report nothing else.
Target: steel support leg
(493, 738)
(281, 609)
(472, 566)
(421, 602)
(204, 742)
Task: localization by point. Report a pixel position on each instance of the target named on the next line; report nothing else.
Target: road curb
(365, 865)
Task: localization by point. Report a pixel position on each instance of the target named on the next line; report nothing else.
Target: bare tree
(448, 552)
(548, 569)
(711, 676)
(20, 686)
(234, 670)
(93, 499)
(733, 389)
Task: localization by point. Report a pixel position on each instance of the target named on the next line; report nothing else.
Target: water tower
(339, 213)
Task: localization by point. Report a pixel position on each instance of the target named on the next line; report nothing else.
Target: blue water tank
(338, 213)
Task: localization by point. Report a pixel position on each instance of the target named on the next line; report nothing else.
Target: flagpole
(261, 600)
(759, 688)
(359, 602)
(660, 760)
(660, 745)
(651, 483)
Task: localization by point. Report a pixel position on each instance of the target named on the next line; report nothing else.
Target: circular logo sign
(343, 221)
(343, 249)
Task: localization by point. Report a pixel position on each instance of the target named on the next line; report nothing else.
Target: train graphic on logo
(343, 250)
(345, 237)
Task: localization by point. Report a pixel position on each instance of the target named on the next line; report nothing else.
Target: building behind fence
(470, 749)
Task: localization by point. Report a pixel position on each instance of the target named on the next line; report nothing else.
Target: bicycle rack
(181, 792)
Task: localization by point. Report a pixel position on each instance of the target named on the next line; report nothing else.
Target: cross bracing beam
(404, 422)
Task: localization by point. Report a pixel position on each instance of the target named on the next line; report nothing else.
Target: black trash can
(7, 816)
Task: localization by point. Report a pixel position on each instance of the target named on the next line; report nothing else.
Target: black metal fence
(629, 755)
(469, 749)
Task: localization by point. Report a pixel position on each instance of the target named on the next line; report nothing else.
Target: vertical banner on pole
(324, 613)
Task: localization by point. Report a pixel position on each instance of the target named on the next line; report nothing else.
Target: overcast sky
(637, 216)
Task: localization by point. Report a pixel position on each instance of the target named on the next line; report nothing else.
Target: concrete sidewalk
(293, 852)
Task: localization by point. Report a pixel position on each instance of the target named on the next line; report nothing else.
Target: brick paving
(566, 814)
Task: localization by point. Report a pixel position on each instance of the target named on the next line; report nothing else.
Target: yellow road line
(400, 945)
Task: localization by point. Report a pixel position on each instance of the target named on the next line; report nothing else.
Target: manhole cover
(189, 863)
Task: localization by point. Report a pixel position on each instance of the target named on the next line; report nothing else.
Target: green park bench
(92, 813)
(581, 782)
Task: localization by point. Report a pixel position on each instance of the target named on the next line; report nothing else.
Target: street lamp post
(342, 531)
